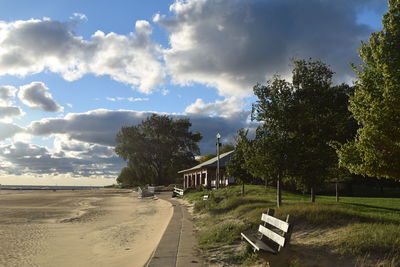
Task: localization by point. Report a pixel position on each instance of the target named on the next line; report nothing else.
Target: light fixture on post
(218, 145)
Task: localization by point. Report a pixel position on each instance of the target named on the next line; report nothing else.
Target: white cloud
(233, 44)
(8, 130)
(7, 94)
(8, 112)
(22, 137)
(130, 99)
(32, 46)
(35, 95)
(79, 16)
(228, 108)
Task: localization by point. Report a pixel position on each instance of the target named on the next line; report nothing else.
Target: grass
(368, 225)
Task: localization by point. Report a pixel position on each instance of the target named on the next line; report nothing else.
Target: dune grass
(369, 225)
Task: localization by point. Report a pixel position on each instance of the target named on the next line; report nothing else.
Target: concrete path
(177, 247)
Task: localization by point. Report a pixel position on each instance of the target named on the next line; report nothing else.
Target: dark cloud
(101, 126)
(22, 158)
(233, 44)
(35, 95)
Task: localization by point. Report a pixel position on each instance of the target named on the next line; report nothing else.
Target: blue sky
(73, 72)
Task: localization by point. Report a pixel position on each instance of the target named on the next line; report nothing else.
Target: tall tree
(158, 147)
(320, 117)
(236, 165)
(375, 151)
(272, 143)
(299, 121)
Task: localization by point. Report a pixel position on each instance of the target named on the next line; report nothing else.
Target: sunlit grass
(370, 225)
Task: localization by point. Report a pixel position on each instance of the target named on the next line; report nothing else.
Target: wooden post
(312, 194)
(337, 192)
(278, 192)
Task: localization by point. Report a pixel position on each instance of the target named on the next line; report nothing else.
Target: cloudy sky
(73, 72)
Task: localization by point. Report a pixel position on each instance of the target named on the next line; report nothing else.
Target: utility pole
(218, 144)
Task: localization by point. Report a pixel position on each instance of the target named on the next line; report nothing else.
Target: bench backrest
(178, 191)
(275, 229)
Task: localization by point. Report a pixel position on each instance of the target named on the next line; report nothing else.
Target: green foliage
(236, 166)
(223, 149)
(300, 121)
(270, 151)
(375, 105)
(158, 147)
(206, 157)
(129, 178)
(226, 148)
(320, 116)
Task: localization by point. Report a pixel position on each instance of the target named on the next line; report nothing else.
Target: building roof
(212, 163)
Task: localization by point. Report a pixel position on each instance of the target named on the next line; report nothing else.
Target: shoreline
(102, 227)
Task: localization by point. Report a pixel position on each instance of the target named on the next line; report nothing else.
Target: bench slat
(257, 243)
(272, 235)
(282, 225)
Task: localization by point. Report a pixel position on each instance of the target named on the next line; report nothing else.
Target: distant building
(205, 173)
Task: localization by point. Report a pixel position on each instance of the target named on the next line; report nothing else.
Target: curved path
(177, 246)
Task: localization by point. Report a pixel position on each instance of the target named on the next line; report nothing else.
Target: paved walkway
(177, 246)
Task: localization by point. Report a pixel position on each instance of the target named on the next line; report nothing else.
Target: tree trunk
(381, 187)
(278, 192)
(266, 184)
(243, 189)
(337, 192)
(312, 195)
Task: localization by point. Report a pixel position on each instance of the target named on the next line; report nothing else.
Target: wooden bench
(272, 235)
(177, 192)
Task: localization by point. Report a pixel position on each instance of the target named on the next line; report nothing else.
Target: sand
(104, 227)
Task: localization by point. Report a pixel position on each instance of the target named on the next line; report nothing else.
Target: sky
(72, 73)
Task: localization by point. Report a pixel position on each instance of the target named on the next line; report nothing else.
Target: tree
(224, 148)
(158, 147)
(321, 117)
(272, 143)
(130, 178)
(299, 121)
(236, 165)
(376, 104)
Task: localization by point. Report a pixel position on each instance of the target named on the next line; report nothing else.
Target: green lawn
(369, 226)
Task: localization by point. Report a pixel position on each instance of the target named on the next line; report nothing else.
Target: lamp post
(217, 176)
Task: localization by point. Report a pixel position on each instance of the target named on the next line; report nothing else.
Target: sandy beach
(104, 227)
